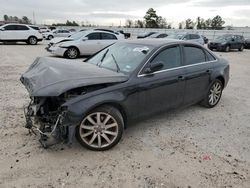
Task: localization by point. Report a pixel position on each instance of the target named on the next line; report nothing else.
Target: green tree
(199, 23)
(139, 24)
(25, 20)
(129, 23)
(189, 24)
(151, 19)
(208, 23)
(6, 17)
(180, 26)
(217, 22)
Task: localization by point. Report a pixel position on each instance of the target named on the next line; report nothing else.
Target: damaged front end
(47, 117)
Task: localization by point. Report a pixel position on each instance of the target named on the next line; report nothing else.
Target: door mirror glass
(2, 29)
(156, 66)
(84, 38)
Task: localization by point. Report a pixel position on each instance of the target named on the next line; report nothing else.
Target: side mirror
(233, 39)
(2, 29)
(154, 67)
(84, 38)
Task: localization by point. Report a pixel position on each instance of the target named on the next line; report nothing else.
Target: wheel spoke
(93, 138)
(91, 120)
(99, 140)
(106, 119)
(87, 127)
(110, 133)
(111, 125)
(106, 138)
(98, 117)
(87, 134)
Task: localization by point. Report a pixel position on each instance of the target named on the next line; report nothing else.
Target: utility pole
(34, 19)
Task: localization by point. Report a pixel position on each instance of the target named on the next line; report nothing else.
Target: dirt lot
(191, 147)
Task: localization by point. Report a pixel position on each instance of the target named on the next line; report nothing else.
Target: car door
(90, 44)
(65, 33)
(198, 69)
(22, 32)
(163, 89)
(234, 42)
(9, 32)
(107, 39)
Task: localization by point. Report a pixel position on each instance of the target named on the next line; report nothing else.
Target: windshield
(78, 35)
(175, 36)
(223, 38)
(121, 57)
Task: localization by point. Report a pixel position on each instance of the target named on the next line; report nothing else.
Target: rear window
(194, 36)
(194, 55)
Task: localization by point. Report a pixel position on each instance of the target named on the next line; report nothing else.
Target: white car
(83, 43)
(56, 33)
(19, 33)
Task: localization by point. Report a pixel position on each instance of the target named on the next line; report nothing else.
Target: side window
(193, 55)
(94, 36)
(22, 27)
(187, 37)
(10, 28)
(210, 57)
(107, 36)
(170, 58)
(162, 36)
(193, 36)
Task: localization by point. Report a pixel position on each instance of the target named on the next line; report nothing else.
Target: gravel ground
(191, 147)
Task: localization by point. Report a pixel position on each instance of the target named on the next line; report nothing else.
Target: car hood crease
(52, 76)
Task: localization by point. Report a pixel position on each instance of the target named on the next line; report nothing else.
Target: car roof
(159, 42)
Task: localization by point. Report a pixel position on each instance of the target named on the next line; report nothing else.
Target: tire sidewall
(116, 115)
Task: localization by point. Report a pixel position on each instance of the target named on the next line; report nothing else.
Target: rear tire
(101, 129)
(32, 40)
(213, 95)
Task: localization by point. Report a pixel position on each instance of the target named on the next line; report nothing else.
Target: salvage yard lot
(194, 146)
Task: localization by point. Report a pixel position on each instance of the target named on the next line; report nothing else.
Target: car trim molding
(176, 68)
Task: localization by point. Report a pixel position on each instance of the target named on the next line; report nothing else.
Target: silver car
(186, 36)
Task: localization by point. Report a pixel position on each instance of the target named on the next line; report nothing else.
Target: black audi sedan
(95, 100)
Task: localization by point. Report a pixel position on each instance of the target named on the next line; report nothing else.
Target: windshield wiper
(117, 66)
(104, 55)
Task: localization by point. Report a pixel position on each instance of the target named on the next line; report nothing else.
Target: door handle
(180, 78)
(208, 71)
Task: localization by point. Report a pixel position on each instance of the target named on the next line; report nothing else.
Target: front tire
(72, 53)
(213, 95)
(32, 40)
(101, 129)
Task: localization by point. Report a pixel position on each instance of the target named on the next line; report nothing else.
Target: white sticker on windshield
(143, 49)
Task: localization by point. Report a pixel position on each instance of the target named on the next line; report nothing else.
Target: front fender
(78, 107)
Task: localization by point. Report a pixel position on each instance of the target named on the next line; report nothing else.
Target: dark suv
(227, 42)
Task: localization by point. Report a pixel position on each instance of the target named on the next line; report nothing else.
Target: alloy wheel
(72, 53)
(32, 40)
(98, 130)
(215, 93)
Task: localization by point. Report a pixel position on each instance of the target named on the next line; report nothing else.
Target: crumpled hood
(53, 76)
(60, 39)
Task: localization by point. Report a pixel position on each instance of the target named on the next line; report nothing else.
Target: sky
(116, 12)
